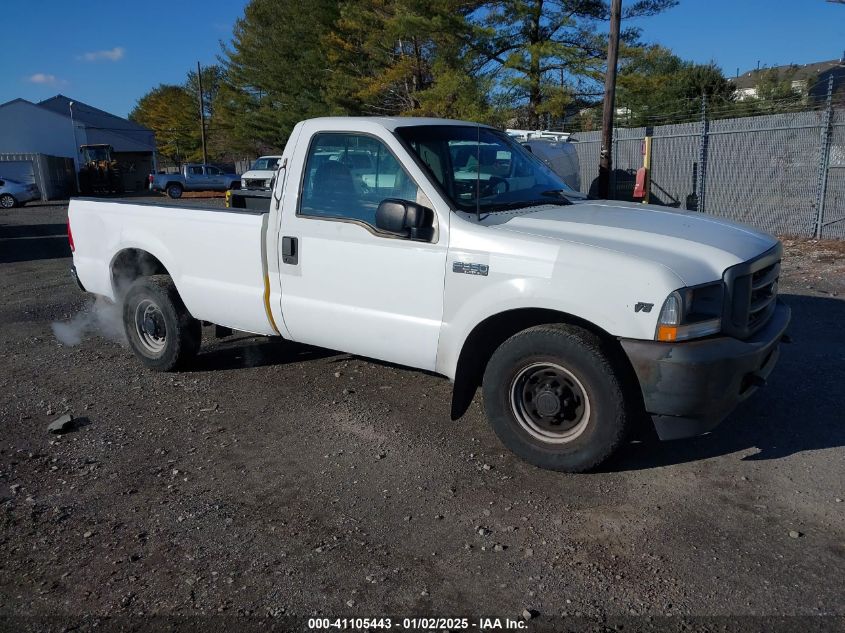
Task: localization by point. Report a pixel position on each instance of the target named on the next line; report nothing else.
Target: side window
(195, 170)
(348, 175)
(213, 171)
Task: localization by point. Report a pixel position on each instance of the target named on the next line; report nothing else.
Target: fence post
(701, 185)
(824, 157)
(611, 189)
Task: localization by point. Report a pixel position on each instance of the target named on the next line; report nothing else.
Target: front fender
(607, 301)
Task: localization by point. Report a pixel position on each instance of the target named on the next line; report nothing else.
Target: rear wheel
(553, 397)
(7, 201)
(174, 190)
(161, 332)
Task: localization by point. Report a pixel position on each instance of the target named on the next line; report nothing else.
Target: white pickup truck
(446, 246)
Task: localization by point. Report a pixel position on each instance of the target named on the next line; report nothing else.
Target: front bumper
(689, 388)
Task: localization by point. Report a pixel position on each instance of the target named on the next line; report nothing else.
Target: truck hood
(695, 247)
(259, 174)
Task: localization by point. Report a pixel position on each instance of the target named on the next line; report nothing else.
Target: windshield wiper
(524, 204)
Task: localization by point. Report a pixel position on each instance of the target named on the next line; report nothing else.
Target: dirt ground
(282, 482)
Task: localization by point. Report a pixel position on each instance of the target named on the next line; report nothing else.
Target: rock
(487, 467)
(483, 531)
(88, 534)
(527, 614)
(795, 534)
(381, 455)
(62, 424)
(498, 547)
(337, 374)
(838, 500)
(350, 603)
(14, 488)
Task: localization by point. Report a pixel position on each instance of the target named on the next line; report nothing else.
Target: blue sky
(109, 53)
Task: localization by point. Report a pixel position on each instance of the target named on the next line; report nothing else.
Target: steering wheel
(489, 186)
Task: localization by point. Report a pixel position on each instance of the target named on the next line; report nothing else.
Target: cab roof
(392, 123)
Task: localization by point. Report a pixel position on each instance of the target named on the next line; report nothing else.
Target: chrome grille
(764, 290)
(752, 289)
(254, 183)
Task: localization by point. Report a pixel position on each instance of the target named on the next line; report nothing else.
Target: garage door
(20, 170)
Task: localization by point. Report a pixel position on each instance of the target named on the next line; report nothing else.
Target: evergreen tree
(543, 52)
(404, 57)
(275, 72)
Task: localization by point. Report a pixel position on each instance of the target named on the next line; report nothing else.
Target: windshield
(484, 169)
(266, 163)
(96, 154)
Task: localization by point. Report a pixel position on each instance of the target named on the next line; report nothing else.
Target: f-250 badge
(470, 269)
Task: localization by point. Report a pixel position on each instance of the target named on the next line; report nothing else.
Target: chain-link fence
(783, 173)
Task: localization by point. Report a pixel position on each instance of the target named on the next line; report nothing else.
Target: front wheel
(161, 332)
(553, 397)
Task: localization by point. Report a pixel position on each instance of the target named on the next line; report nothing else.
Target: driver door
(349, 286)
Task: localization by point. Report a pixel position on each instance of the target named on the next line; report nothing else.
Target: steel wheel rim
(7, 201)
(549, 403)
(174, 192)
(150, 327)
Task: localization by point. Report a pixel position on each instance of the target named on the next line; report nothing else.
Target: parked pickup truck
(260, 173)
(447, 246)
(194, 177)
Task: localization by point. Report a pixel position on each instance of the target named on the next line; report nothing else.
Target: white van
(555, 149)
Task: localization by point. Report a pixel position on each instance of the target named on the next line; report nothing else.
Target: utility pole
(202, 115)
(75, 148)
(606, 156)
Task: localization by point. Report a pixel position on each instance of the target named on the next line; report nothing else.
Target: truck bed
(216, 256)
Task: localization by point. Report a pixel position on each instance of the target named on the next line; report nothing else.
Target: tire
(554, 399)
(174, 190)
(160, 331)
(7, 201)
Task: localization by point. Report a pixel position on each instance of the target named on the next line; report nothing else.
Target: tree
(656, 86)
(216, 137)
(275, 72)
(544, 52)
(775, 85)
(169, 111)
(404, 57)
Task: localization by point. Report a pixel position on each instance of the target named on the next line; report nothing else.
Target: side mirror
(408, 219)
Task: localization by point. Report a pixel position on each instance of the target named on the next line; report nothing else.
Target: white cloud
(45, 79)
(112, 55)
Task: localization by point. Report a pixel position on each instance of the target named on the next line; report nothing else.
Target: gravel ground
(279, 481)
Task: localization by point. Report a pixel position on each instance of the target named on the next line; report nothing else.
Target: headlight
(691, 313)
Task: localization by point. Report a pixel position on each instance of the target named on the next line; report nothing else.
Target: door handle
(290, 250)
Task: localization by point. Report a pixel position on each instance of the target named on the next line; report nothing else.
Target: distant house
(28, 128)
(809, 80)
